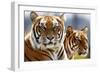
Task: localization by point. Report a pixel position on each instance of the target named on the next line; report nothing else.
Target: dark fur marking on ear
(33, 15)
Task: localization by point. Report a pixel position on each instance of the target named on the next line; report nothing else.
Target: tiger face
(82, 41)
(76, 41)
(47, 31)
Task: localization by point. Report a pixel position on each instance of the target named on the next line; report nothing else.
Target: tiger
(76, 41)
(45, 40)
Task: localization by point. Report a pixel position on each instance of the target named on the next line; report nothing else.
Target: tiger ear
(62, 16)
(85, 29)
(69, 30)
(33, 15)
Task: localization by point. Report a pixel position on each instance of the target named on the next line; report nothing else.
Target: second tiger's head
(79, 38)
(47, 30)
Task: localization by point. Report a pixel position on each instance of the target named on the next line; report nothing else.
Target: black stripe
(59, 52)
(41, 53)
(61, 37)
(61, 55)
(71, 41)
(58, 35)
(27, 57)
(73, 47)
(69, 55)
(47, 54)
(51, 51)
(27, 44)
(36, 38)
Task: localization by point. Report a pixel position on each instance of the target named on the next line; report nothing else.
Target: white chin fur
(43, 47)
(50, 46)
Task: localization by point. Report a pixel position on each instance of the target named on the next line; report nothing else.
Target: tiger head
(47, 30)
(80, 39)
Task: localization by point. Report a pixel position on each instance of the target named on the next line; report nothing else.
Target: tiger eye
(41, 29)
(57, 28)
(41, 24)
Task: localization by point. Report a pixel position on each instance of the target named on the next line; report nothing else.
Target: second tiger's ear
(33, 15)
(69, 31)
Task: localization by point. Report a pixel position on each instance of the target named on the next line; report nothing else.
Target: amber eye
(41, 29)
(77, 38)
(57, 28)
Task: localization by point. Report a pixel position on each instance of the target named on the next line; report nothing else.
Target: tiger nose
(50, 37)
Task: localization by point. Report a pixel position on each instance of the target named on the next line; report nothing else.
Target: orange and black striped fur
(76, 41)
(45, 40)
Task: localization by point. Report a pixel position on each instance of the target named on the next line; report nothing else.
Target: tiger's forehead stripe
(42, 22)
(80, 33)
(55, 22)
(48, 21)
(51, 20)
(59, 20)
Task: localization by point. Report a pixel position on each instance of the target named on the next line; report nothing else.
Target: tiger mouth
(83, 52)
(50, 43)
